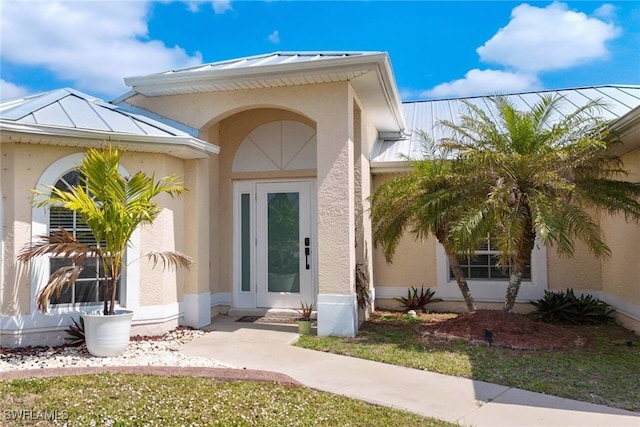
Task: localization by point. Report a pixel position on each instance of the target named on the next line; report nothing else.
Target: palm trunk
(454, 263)
(461, 280)
(512, 290)
(111, 289)
(515, 278)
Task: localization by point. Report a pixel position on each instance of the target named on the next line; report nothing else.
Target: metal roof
(270, 59)
(387, 152)
(68, 113)
(369, 73)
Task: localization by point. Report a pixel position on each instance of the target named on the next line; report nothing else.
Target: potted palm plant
(112, 207)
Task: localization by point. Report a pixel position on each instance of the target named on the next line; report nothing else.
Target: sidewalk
(467, 402)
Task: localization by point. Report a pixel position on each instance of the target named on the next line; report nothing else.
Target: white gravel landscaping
(144, 352)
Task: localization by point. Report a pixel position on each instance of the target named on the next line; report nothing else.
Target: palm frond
(61, 279)
(61, 244)
(170, 259)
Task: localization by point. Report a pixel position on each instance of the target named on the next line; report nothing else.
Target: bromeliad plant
(112, 207)
(417, 301)
(75, 333)
(566, 307)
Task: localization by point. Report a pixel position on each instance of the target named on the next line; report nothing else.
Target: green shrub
(417, 301)
(566, 307)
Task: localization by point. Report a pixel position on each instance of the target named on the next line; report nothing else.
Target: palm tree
(548, 172)
(427, 201)
(112, 207)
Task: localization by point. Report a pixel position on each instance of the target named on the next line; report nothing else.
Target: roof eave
(627, 129)
(262, 71)
(178, 146)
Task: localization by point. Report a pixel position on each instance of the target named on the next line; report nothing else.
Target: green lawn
(605, 372)
(131, 400)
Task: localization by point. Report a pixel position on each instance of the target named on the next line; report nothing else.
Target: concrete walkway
(467, 402)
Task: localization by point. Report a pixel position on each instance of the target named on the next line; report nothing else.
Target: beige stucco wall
(414, 263)
(580, 272)
(621, 275)
(22, 166)
(158, 286)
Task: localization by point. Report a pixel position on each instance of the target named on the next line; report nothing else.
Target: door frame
(249, 299)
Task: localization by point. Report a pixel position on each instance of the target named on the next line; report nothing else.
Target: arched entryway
(273, 176)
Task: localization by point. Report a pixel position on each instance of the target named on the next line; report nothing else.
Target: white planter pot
(107, 336)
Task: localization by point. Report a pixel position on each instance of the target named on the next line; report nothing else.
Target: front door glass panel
(283, 242)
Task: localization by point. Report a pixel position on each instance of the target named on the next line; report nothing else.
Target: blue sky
(437, 49)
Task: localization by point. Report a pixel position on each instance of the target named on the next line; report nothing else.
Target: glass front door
(284, 244)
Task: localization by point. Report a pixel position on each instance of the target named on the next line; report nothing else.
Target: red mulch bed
(509, 330)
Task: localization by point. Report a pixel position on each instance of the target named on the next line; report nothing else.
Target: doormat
(268, 319)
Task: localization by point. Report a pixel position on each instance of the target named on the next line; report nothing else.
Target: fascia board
(188, 142)
(391, 92)
(627, 122)
(627, 129)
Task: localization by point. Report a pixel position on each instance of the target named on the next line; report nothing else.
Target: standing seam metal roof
(425, 115)
(68, 108)
(275, 58)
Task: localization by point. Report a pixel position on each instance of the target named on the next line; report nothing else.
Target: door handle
(307, 251)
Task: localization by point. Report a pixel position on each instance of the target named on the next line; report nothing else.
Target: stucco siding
(621, 275)
(414, 262)
(22, 165)
(202, 110)
(158, 286)
(582, 272)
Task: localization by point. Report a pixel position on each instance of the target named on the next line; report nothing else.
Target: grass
(606, 372)
(135, 400)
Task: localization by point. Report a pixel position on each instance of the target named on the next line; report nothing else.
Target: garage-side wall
(413, 265)
(621, 273)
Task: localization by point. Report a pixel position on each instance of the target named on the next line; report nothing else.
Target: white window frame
(494, 290)
(74, 230)
(480, 252)
(40, 266)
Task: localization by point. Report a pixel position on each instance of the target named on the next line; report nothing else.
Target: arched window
(87, 288)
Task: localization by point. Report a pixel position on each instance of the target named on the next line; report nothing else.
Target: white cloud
(485, 82)
(9, 90)
(221, 6)
(193, 6)
(92, 44)
(551, 38)
(274, 37)
(606, 11)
